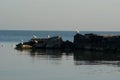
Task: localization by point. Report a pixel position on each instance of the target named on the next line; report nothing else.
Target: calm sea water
(16, 36)
(50, 64)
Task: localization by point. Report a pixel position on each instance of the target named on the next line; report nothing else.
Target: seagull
(34, 36)
(36, 41)
(21, 41)
(77, 31)
(48, 36)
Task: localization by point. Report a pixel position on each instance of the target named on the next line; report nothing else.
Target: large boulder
(96, 42)
(54, 42)
(43, 43)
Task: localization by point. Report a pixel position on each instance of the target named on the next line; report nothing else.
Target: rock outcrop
(83, 42)
(96, 42)
(44, 43)
(88, 47)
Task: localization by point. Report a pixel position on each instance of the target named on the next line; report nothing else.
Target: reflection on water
(57, 64)
(50, 53)
(56, 53)
(97, 58)
(80, 57)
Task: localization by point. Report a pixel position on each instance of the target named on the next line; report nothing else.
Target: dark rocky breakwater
(96, 42)
(84, 47)
(80, 42)
(42, 43)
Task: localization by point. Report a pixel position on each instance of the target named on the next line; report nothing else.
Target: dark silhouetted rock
(67, 46)
(54, 42)
(83, 42)
(96, 42)
(44, 43)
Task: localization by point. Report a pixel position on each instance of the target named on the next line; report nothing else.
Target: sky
(84, 15)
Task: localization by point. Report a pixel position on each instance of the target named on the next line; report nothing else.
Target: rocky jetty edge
(80, 42)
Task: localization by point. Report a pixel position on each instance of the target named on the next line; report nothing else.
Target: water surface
(53, 64)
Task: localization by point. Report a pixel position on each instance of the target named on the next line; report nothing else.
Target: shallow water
(52, 65)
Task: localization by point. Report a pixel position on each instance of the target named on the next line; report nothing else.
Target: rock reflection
(96, 55)
(97, 58)
(49, 53)
(80, 57)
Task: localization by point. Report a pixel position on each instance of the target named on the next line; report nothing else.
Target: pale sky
(85, 15)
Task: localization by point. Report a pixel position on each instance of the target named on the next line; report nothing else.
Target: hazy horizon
(67, 15)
